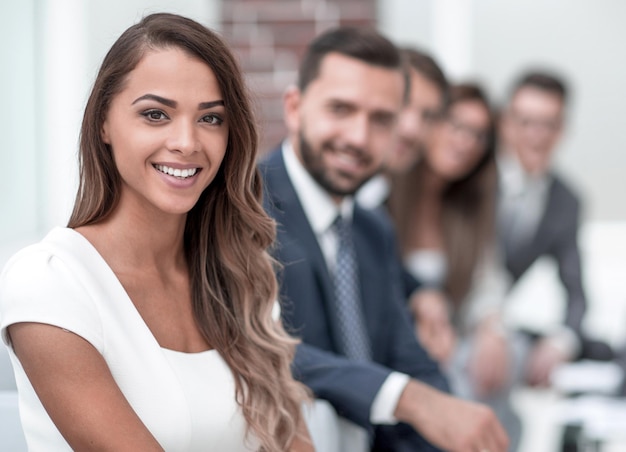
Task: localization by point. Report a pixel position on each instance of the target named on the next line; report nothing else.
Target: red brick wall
(269, 37)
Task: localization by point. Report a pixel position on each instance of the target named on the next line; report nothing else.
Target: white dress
(187, 400)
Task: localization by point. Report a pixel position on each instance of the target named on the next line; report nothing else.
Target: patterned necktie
(353, 338)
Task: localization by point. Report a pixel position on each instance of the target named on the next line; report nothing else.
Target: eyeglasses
(480, 136)
(550, 125)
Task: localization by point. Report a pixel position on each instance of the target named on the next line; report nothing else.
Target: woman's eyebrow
(214, 103)
(162, 100)
(173, 104)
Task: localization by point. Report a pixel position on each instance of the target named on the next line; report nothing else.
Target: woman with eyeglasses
(444, 212)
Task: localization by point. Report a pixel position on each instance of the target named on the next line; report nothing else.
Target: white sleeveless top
(208, 382)
(186, 400)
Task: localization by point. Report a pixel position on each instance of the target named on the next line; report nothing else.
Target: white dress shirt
(321, 212)
(374, 192)
(523, 199)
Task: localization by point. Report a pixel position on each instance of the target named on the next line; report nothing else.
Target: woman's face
(459, 141)
(168, 132)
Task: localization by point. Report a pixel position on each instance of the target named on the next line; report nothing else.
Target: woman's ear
(291, 108)
(104, 132)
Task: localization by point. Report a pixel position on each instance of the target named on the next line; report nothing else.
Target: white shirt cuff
(386, 400)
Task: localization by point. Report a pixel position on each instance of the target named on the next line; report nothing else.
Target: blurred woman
(444, 211)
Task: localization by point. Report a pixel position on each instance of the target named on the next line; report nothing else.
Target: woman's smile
(177, 172)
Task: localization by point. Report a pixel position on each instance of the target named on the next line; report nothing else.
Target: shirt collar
(318, 205)
(514, 179)
(374, 193)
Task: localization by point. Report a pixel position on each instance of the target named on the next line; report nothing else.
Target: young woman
(147, 323)
(444, 211)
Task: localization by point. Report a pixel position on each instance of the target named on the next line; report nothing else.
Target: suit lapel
(292, 221)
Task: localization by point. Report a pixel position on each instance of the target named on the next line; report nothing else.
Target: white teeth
(176, 172)
(348, 159)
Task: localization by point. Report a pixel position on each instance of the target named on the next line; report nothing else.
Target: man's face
(532, 126)
(415, 123)
(343, 125)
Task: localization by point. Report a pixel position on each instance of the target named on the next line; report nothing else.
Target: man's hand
(432, 324)
(450, 423)
(544, 358)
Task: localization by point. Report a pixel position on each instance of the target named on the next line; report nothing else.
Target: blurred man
(428, 90)
(341, 276)
(539, 212)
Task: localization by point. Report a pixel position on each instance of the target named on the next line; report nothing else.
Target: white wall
(19, 117)
(493, 40)
(407, 21)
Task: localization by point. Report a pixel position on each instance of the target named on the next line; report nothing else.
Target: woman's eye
(154, 115)
(212, 119)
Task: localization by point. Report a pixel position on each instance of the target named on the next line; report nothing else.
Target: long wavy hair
(468, 205)
(227, 233)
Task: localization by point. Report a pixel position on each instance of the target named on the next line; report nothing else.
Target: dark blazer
(557, 236)
(307, 293)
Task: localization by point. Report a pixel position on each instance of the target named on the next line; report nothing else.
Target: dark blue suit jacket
(306, 295)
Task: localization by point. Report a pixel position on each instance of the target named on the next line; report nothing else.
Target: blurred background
(51, 49)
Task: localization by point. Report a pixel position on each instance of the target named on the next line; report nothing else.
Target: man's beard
(313, 162)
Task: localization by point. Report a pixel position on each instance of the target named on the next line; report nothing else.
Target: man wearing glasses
(539, 214)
